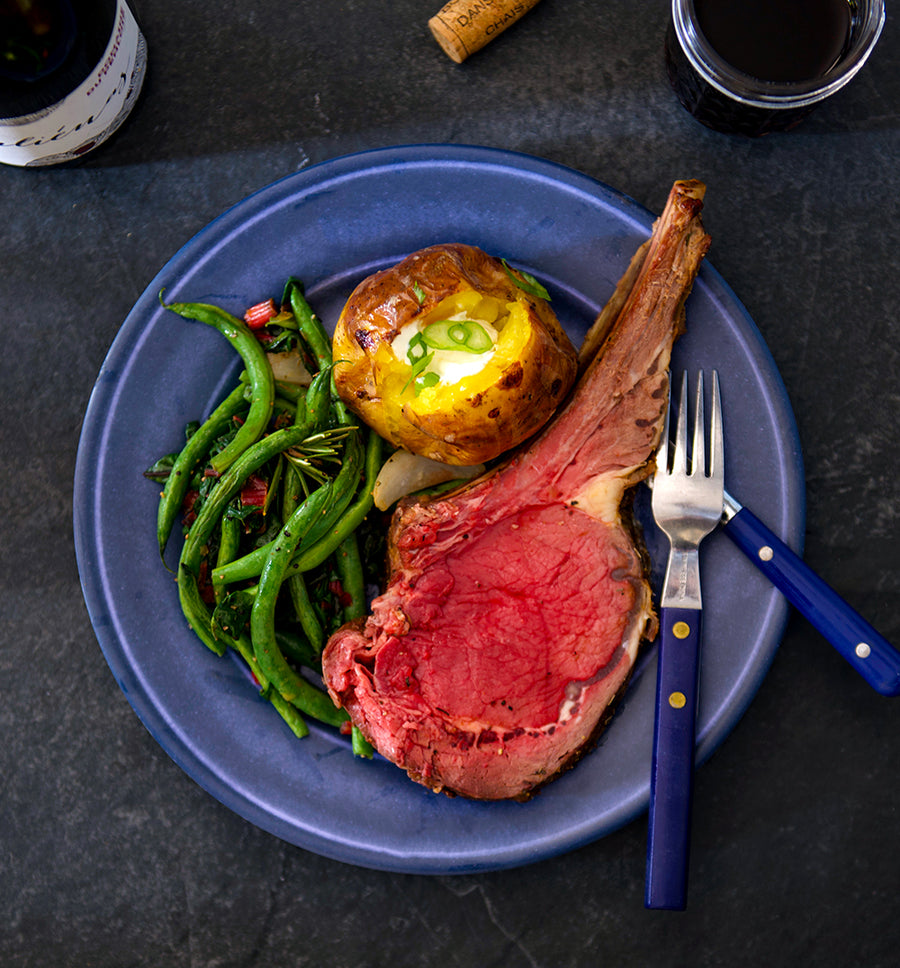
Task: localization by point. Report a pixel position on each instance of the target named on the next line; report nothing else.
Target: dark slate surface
(111, 857)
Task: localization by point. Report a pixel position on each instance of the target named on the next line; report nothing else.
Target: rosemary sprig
(312, 456)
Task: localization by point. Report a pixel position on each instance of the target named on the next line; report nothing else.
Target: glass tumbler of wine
(751, 67)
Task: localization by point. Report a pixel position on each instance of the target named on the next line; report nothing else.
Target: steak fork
(687, 506)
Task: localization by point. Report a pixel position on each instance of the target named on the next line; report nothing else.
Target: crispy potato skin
(478, 418)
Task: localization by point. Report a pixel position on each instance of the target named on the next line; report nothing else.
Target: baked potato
(452, 355)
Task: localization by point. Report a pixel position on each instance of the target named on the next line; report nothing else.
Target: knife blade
(873, 657)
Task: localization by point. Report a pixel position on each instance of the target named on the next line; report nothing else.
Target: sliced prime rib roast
(515, 607)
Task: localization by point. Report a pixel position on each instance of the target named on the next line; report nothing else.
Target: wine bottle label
(88, 115)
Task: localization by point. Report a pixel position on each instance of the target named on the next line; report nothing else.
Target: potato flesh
(451, 366)
(469, 306)
(393, 376)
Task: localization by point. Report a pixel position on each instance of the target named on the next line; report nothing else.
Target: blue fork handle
(672, 773)
(876, 660)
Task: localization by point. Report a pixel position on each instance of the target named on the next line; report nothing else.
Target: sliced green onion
(424, 380)
(460, 335)
(526, 282)
(416, 351)
(457, 334)
(419, 357)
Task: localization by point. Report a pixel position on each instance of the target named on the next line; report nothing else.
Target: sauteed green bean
(262, 381)
(194, 451)
(275, 491)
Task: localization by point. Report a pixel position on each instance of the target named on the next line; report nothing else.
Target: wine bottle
(70, 73)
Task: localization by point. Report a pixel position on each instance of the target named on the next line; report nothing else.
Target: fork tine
(698, 456)
(679, 463)
(716, 436)
(662, 452)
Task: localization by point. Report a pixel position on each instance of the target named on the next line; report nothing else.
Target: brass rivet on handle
(462, 28)
(766, 553)
(677, 700)
(681, 630)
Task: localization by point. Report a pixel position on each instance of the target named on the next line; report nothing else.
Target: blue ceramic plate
(331, 225)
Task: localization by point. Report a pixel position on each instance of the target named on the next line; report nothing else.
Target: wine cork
(465, 26)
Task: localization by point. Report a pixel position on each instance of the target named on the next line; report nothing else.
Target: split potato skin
(530, 370)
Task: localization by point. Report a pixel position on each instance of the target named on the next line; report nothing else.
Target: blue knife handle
(877, 661)
(672, 773)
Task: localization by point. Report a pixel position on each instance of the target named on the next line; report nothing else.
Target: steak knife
(873, 657)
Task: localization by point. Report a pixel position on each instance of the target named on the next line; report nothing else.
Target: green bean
(352, 518)
(259, 372)
(289, 713)
(290, 491)
(352, 581)
(244, 648)
(251, 564)
(350, 572)
(196, 611)
(292, 686)
(344, 417)
(272, 487)
(229, 541)
(316, 525)
(306, 613)
(310, 325)
(230, 483)
(283, 406)
(349, 567)
(318, 399)
(290, 498)
(317, 339)
(303, 608)
(248, 566)
(360, 745)
(194, 450)
(290, 391)
(227, 486)
(296, 648)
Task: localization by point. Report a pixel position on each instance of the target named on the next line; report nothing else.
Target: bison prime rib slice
(515, 607)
